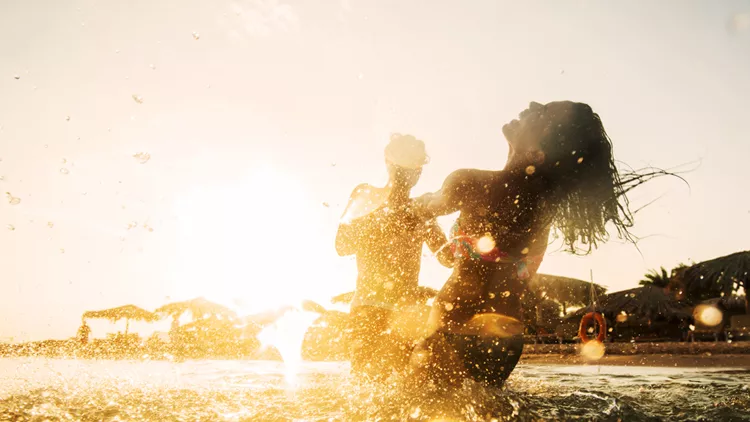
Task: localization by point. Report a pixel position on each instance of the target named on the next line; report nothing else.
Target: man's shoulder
(367, 190)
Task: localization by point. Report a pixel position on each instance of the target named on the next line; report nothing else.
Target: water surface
(49, 389)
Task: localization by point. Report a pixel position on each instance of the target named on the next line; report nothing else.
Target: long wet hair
(584, 189)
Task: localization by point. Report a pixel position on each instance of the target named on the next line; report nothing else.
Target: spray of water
(287, 334)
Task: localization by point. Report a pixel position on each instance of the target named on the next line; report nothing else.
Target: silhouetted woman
(560, 176)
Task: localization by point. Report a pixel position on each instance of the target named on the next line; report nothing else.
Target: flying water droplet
(17, 77)
(325, 204)
(138, 99)
(143, 157)
(152, 66)
(50, 224)
(67, 118)
(11, 227)
(63, 170)
(196, 36)
(12, 199)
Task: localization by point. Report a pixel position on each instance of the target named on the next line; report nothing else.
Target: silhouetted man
(381, 228)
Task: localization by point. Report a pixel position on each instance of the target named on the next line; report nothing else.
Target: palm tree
(656, 278)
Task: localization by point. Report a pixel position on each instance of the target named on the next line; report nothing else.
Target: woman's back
(502, 211)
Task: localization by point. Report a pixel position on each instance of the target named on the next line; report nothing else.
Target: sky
(159, 151)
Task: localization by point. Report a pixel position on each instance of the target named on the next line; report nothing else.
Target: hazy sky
(255, 113)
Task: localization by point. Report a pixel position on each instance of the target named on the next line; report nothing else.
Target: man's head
(405, 155)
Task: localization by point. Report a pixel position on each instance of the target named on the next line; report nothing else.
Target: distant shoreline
(675, 354)
(678, 354)
(638, 349)
(654, 360)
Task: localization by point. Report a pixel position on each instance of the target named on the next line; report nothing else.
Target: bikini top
(485, 249)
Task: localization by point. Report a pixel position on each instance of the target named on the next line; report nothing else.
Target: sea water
(207, 390)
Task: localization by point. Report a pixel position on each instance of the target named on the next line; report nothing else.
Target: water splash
(12, 200)
(142, 157)
(286, 334)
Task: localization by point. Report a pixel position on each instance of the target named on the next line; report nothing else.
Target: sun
(249, 244)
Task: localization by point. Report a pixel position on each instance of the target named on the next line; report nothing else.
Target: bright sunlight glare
(236, 243)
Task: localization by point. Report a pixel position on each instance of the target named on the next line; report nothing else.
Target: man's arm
(438, 243)
(347, 239)
(349, 232)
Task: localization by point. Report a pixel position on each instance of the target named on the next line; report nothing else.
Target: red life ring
(586, 321)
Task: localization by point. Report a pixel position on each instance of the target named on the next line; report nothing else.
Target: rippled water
(39, 389)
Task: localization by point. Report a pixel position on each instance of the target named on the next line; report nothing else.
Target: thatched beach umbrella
(723, 275)
(199, 308)
(733, 305)
(126, 312)
(564, 290)
(422, 294)
(209, 324)
(641, 303)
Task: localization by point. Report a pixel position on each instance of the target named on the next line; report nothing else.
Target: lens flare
(592, 350)
(485, 244)
(286, 334)
(707, 315)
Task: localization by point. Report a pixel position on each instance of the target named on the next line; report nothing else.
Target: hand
(421, 206)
